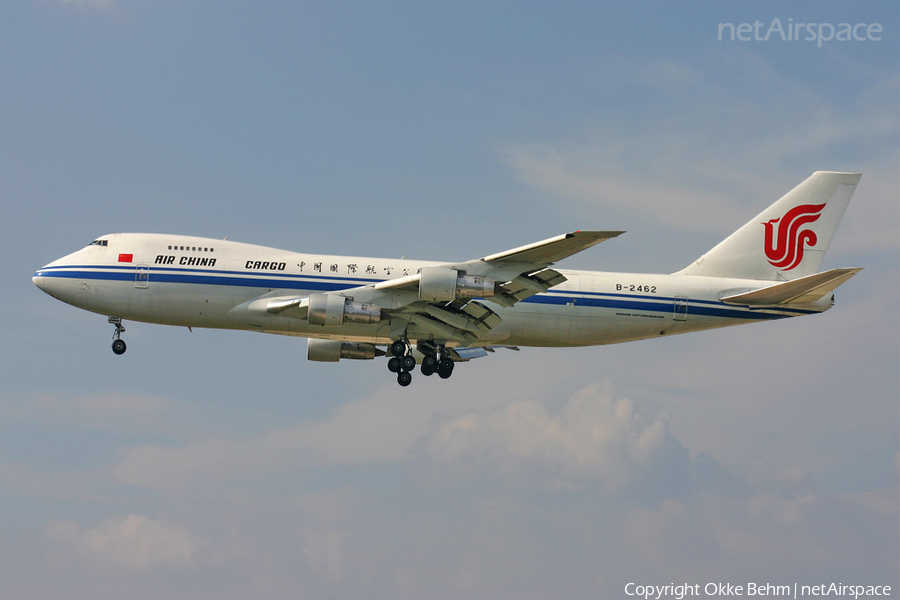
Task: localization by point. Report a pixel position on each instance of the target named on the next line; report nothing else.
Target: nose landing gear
(118, 345)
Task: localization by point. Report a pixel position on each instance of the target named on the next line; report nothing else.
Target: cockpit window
(99, 243)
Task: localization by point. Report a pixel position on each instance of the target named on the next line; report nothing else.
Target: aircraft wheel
(394, 364)
(430, 362)
(118, 346)
(404, 378)
(408, 362)
(428, 369)
(445, 368)
(398, 348)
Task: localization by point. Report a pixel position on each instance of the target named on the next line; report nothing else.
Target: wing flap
(462, 323)
(440, 329)
(483, 317)
(806, 289)
(465, 354)
(525, 286)
(457, 320)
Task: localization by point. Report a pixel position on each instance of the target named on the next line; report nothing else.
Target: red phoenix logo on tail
(784, 249)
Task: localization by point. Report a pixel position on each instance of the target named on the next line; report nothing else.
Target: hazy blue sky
(224, 465)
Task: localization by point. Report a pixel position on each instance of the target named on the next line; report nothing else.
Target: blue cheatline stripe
(708, 308)
(157, 277)
(661, 306)
(693, 301)
(192, 276)
(155, 269)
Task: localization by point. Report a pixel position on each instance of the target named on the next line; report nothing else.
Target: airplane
(437, 314)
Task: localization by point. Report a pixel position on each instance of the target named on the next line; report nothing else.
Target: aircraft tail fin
(787, 240)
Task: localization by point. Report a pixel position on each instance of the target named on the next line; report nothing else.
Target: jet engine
(334, 350)
(331, 310)
(443, 284)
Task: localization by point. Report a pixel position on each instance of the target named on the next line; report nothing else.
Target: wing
(520, 272)
(446, 302)
(554, 249)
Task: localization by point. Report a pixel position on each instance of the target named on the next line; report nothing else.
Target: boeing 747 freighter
(436, 314)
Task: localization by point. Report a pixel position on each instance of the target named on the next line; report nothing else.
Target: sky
(222, 464)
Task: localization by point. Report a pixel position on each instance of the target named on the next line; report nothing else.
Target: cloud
(693, 139)
(323, 551)
(105, 401)
(98, 407)
(21, 480)
(594, 176)
(99, 411)
(522, 497)
(593, 439)
(134, 542)
(381, 428)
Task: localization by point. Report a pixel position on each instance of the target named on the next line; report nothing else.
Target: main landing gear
(118, 345)
(402, 362)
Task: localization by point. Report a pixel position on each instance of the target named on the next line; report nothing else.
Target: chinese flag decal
(126, 258)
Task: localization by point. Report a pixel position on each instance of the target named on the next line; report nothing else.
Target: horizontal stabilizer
(806, 289)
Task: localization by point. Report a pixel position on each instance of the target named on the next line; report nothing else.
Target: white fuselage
(198, 282)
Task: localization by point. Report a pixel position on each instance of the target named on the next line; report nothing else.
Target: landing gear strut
(118, 345)
(399, 348)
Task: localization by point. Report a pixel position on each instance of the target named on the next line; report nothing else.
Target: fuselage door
(681, 308)
(572, 283)
(142, 276)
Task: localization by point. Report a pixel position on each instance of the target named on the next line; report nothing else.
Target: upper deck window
(191, 248)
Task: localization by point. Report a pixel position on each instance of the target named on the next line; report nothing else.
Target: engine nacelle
(361, 312)
(443, 284)
(331, 310)
(473, 286)
(334, 350)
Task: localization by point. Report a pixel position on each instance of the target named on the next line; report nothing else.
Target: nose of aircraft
(55, 279)
(60, 277)
(54, 286)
